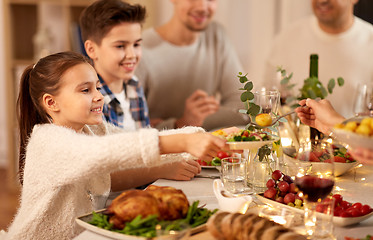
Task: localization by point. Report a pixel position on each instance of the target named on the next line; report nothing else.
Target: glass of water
(363, 103)
(233, 174)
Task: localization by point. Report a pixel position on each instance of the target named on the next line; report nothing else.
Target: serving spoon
(274, 121)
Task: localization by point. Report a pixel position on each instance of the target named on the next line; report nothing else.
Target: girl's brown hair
(43, 77)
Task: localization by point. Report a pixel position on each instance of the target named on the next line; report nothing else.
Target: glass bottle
(314, 72)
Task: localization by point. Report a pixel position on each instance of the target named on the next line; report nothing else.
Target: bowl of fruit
(356, 132)
(343, 161)
(281, 192)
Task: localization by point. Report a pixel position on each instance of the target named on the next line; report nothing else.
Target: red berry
(320, 208)
(353, 212)
(289, 198)
(345, 205)
(283, 186)
(338, 211)
(287, 179)
(344, 214)
(245, 133)
(298, 197)
(338, 199)
(365, 209)
(270, 193)
(276, 175)
(313, 158)
(222, 154)
(293, 188)
(357, 205)
(280, 199)
(271, 183)
(339, 159)
(318, 154)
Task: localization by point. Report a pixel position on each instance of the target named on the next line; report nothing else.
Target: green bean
(146, 227)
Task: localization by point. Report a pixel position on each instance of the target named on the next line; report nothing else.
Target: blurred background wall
(250, 24)
(3, 136)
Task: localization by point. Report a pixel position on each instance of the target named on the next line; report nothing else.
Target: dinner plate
(250, 144)
(338, 221)
(83, 222)
(339, 168)
(208, 167)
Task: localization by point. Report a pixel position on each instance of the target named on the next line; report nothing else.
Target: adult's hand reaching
(318, 114)
(362, 155)
(198, 106)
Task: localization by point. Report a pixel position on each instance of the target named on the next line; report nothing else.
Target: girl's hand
(181, 170)
(204, 146)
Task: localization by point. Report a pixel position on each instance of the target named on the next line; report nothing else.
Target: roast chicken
(166, 202)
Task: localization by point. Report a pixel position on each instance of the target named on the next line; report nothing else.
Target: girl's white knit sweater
(62, 167)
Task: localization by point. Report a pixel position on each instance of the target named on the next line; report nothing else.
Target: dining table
(355, 186)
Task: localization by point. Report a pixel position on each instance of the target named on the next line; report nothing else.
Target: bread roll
(247, 226)
(214, 224)
(226, 225)
(273, 232)
(236, 226)
(258, 228)
(291, 236)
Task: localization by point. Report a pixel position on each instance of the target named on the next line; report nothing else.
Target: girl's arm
(65, 156)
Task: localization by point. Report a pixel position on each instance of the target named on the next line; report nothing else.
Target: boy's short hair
(100, 17)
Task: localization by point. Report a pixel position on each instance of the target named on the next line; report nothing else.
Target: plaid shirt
(112, 110)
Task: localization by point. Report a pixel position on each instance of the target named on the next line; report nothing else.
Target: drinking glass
(315, 180)
(363, 102)
(268, 100)
(233, 174)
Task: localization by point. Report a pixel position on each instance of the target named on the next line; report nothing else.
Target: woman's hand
(362, 155)
(318, 114)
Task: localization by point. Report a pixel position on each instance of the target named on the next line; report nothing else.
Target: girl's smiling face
(79, 100)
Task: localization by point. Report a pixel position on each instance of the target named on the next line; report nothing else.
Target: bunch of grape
(281, 188)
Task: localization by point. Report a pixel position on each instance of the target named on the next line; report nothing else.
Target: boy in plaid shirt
(112, 39)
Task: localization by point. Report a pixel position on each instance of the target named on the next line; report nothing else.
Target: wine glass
(268, 100)
(315, 180)
(363, 103)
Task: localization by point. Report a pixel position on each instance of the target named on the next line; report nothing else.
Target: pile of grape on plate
(281, 188)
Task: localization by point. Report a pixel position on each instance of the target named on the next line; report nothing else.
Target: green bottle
(314, 72)
(314, 65)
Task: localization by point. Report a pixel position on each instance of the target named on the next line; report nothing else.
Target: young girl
(67, 152)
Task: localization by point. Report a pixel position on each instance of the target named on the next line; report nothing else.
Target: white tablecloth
(354, 186)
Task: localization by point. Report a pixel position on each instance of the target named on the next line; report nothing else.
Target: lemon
(263, 119)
